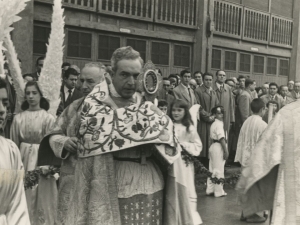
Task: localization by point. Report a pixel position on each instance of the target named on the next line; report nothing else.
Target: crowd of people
(130, 186)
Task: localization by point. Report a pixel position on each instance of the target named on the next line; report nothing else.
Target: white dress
(216, 161)
(192, 143)
(27, 131)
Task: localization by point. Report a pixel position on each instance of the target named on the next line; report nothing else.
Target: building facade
(257, 38)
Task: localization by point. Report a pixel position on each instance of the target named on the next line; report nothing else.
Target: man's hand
(225, 155)
(71, 145)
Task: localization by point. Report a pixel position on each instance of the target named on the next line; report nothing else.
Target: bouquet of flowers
(32, 177)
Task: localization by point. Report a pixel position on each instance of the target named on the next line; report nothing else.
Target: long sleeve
(48, 124)
(15, 132)
(57, 143)
(194, 144)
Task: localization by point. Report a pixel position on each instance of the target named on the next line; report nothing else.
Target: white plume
(50, 78)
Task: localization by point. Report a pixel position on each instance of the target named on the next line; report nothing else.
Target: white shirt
(66, 91)
(219, 86)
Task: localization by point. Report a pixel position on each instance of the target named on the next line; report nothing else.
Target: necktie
(69, 97)
(221, 88)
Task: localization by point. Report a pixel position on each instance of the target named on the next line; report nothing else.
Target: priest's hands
(71, 145)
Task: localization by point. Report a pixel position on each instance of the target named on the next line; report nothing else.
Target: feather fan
(15, 71)
(50, 79)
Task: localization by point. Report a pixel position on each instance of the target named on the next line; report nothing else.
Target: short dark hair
(197, 73)
(214, 109)
(273, 84)
(70, 71)
(162, 103)
(184, 72)
(38, 59)
(44, 104)
(218, 72)
(3, 84)
(257, 89)
(273, 102)
(207, 74)
(229, 79)
(241, 77)
(65, 64)
(175, 77)
(256, 105)
(165, 78)
(248, 82)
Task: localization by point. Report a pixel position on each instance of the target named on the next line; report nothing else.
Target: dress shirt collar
(186, 87)
(66, 90)
(220, 85)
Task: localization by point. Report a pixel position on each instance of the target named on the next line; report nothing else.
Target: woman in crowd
(28, 129)
(218, 152)
(189, 139)
(275, 110)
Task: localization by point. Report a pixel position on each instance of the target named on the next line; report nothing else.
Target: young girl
(218, 152)
(188, 137)
(275, 110)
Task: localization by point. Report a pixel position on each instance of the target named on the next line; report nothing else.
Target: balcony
(243, 23)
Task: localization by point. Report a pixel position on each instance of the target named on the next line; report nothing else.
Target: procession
(126, 140)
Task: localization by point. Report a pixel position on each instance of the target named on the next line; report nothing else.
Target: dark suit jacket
(63, 104)
(180, 92)
(243, 109)
(277, 98)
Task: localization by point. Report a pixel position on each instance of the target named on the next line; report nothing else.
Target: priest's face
(125, 78)
(90, 77)
(3, 106)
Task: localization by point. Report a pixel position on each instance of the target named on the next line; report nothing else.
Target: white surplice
(13, 207)
(192, 143)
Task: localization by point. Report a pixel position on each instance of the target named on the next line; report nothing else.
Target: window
(107, 45)
(160, 53)
(284, 67)
(216, 59)
(245, 62)
(181, 55)
(259, 62)
(79, 44)
(40, 39)
(138, 45)
(272, 66)
(230, 60)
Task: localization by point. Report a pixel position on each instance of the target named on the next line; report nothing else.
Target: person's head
(166, 84)
(207, 79)
(218, 112)
(297, 86)
(249, 84)
(284, 90)
(254, 85)
(174, 80)
(258, 107)
(34, 97)
(126, 65)
(163, 106)
(4, 103)
(39, 63)
(275, 106)
(230, 82)
(220, 76)
(173, 83)
(258, 91)
(198, 77)
(193, 84)
(234, 79)
(291, 85)
(185, 76)
(273, 89)
(180, 113)
(265, 88)
(91, 75)
(70, 78)
(242, 79)
(65, 66)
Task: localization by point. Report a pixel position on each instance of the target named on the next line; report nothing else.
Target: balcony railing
(141, 9)
(177, 12)
(227, 18)
(256, 25)
(281, 32)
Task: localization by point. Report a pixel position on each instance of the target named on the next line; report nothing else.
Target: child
(218, 152)
(163, 106)
(275, 110)
(188, 137)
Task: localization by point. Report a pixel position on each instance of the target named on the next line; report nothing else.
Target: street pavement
(219, 211)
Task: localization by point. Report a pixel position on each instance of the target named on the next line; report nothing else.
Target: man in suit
(183, 90)
(295, 94)
(207, 98)
(35, 76)
(198, 78)
(165, 94)
(291, 85)
(273, 95)
(69, 93)
(284, 92)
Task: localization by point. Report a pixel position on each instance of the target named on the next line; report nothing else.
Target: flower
(93, 121)
(82, 129)
(128, 119)
(96, 135)
(119, 142)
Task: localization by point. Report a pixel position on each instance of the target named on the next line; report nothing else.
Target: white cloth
(13, 206)
(216, 161)
(192, 143)
(250, 132)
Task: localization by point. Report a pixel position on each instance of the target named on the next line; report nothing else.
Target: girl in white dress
(189, 139)
(28, 129)
(218, 153)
